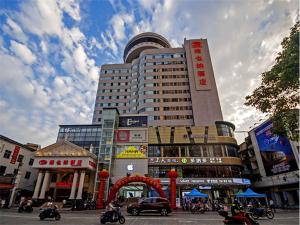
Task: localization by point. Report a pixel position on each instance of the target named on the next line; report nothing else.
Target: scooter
(108, 217)
(229, 220)
(50, 213)
(197, 209)
(262, 212)
(25, 207)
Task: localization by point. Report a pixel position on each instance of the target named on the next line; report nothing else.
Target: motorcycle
(262, 212)
(197, 209)
(50, 213)
(90, 205)
(110, 217)
(229, 220)
(25, 207)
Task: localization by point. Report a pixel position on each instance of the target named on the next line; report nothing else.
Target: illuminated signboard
(208, 181)
(138, 136)
(188, 160)
(131, 152)
(133, 121)
(202, 81)
(70, 162)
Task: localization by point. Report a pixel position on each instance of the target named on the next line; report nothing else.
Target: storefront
(66, 171)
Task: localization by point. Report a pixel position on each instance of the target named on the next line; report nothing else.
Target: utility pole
(17, 180)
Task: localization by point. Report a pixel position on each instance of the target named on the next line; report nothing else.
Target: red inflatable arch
(147, 180)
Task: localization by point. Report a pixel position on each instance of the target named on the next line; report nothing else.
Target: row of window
(152, 100)
(114, 84)
(164, 70)
(20, 158)
(176, 91)
(111, 104)
(3, 169)
(166, 77)
(114, 78)
(175, 84)
(164, 56)
(112, 97)
(173, 117)
(114, 90)
(115, 71)
(164, 63)
(177, 108)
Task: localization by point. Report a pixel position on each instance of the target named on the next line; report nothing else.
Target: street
(12, 217)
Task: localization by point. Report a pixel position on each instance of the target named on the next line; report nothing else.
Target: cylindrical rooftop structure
(141, 42)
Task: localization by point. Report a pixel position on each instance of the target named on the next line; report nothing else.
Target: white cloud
(23, 52)
(71, 7)
(14, 30)
(118, 22)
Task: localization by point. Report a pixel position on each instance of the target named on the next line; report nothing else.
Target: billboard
(131, 152)
(123, 136)
(276, 151)
(133, 121)
(15, 155)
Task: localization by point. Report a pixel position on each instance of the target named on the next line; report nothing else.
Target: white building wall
(27, 184)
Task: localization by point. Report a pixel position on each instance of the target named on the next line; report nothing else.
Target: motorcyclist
(238, 214)
(113, 209)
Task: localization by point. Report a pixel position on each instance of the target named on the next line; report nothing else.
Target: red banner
(15, 155)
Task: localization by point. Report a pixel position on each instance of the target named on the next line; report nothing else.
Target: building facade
(173, 86)
(16, 170)
(272, 164)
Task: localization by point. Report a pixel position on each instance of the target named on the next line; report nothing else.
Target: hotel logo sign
(202, 81)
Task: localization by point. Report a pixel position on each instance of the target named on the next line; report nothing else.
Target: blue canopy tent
(250, 194)
(196, 193)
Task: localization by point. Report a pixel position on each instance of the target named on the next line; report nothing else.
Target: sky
(51, 52)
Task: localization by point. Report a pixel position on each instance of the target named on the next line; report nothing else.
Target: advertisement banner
(131, 152)
(15, 155)
(133, 121)
(137, 136)
(276, 151)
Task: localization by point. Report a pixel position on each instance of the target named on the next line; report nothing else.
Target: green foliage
(278, 93)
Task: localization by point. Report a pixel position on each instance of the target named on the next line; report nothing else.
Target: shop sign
(208, 182)
(133, 121)
(130, 136)
(186, 160)
(131, 152)
(15, 155)
(205, 187)
(69, 162)
(202, 81)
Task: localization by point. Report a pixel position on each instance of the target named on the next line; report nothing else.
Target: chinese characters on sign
(209, 181)
(15, 155)
(192, 160)
(201, 78)
(63, 162)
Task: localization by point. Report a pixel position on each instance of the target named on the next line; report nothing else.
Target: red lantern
(103, 176)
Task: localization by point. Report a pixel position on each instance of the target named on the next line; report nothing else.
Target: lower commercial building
(272, 164)
(205, 157)
(17, 177)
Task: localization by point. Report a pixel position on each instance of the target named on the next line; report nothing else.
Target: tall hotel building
(157, 111)
(173, 86)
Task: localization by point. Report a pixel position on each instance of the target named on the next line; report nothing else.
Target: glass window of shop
(83, 136)
(224, 130)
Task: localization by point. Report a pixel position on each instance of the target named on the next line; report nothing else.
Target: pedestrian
(272, 206)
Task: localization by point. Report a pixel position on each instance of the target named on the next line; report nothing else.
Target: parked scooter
(50, 213)
(112, 217)
(261, 212)
(25, 206)
(229, 220)
(90, 205)
(197, 209)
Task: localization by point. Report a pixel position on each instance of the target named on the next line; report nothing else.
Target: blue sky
(51, 53)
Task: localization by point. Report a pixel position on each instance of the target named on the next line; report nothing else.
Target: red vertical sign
(15, 155)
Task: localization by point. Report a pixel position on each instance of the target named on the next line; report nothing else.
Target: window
(7, 154)
(20, 158)
(2, 170)
(16, 171)
(31, 162)
(27, 175)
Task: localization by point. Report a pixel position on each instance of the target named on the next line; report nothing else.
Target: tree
(278, 93)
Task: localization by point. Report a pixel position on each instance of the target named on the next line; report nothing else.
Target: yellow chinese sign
(133, 152)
